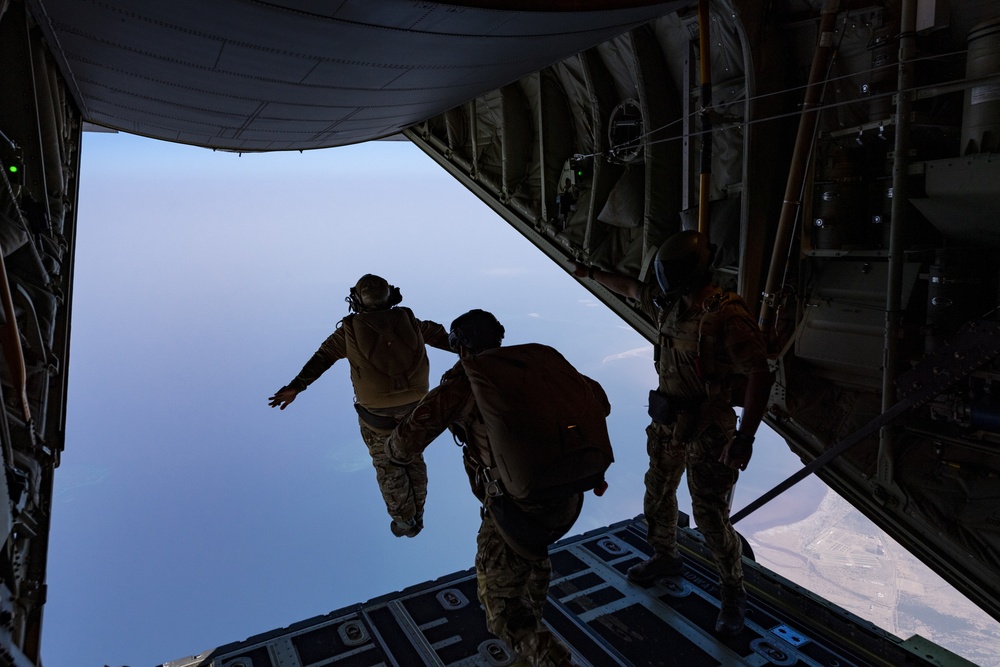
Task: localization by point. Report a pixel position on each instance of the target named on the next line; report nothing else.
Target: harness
(485, 474)
(694, 338)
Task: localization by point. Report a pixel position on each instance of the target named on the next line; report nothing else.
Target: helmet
(476, 330)
(682, 262)
(371, 293)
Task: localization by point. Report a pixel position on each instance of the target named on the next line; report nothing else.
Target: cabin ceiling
(247, 76)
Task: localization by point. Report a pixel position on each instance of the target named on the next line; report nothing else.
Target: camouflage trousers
(404, 488)
(512, 590)
(710, 484)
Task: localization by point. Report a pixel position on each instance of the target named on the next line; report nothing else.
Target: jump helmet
(373, 293)
(683, 262)
(476, 330)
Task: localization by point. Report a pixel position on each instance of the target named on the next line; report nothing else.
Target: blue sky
(188, 514)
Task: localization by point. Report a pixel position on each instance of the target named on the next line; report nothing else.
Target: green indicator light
(13, 169)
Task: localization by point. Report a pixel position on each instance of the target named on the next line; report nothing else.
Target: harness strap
(382, 422)
(702, 348)
(492, 486)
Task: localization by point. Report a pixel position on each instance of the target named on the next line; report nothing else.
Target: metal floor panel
(604, 619)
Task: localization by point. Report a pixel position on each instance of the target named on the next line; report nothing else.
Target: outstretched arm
(626, 286)
(332, 349)
(435, 335)
(283, 397)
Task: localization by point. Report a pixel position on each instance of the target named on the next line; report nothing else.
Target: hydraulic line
(800, 159)
(705, 58)
(897, 227)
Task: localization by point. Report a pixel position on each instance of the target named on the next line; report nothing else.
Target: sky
(187, 513)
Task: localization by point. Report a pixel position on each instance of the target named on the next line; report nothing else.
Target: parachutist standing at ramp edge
(711, 355)
(534, 438)
(384, 346)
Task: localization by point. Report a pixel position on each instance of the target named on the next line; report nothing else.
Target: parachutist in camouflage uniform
(384, 346)
(708, 339)
(512, 564)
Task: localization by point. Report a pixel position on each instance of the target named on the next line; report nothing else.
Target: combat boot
(405, 528)
(648, 571)
(732, 611)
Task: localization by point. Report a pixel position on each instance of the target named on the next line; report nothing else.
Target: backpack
(545, 421)
(389, 365)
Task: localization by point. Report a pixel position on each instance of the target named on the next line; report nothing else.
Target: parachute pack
(389, 365)
(546, 422)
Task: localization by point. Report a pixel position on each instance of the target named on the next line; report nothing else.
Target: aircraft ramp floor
(606, 620)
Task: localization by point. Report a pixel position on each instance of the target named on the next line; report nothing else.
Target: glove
(738, 452)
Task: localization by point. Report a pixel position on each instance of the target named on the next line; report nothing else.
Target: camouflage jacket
(701, 351)
(452, 406)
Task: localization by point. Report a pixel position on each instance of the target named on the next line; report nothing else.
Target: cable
(645, 138)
